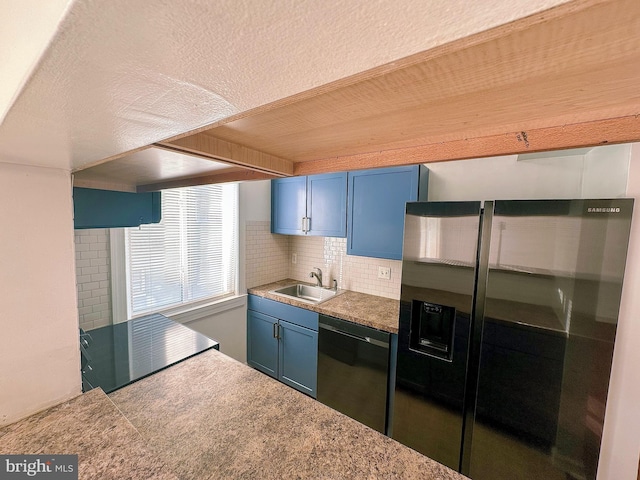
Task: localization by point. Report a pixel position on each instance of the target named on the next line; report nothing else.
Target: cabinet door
(327, 204)
(93, 208)
(288, 205)
(377, 201)
(298, 357)
(262, 344)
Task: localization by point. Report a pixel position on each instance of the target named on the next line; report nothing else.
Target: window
(190, 256)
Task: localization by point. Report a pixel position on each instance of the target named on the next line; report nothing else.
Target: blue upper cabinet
(327, 205)
(93, 208)
(314, 205)
(376, 208)
(288, 205)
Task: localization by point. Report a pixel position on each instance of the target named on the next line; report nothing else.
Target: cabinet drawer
(298, 316)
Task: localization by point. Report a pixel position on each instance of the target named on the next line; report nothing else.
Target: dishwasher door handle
(370, 340)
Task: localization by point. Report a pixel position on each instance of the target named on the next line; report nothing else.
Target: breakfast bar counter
(212, 417)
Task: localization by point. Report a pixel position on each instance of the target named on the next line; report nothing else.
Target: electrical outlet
(294, 258)
(384, 273)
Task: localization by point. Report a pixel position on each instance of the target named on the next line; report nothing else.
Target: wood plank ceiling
(564, 78)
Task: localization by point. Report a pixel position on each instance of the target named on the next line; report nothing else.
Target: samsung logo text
(603, 209)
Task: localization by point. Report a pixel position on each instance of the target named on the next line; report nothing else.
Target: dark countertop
(125, 352)
(361, 308)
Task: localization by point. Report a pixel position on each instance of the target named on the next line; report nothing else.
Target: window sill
(190, 313)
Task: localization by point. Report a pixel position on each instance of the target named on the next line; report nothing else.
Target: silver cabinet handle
(275, 330)
(305, 224)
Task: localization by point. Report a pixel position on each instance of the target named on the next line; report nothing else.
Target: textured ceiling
(118, 75)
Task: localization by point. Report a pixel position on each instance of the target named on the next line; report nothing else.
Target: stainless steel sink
(307, 293)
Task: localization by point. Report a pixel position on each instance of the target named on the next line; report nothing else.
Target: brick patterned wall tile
(266, 254)
(359, 274)
(93, 275)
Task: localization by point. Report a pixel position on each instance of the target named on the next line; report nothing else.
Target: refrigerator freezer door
(438, 272)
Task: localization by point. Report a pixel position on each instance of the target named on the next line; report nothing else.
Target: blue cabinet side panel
(299, 316)
(93, 208)
(377, 200)
(327, 204)
(262, 346)
(298, 357)
(288, 204)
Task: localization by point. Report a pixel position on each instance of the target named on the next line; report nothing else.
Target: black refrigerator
(508, 317)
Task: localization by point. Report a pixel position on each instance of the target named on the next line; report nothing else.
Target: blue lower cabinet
(284, 349)
(298, 361)
(262, 345)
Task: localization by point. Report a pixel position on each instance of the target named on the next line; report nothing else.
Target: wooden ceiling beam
(220, 176)
(206, 145)
(103, 184)
(588, 134)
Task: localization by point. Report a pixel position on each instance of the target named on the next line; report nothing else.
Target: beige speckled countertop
(211, 417)
(369, 310)
(107, 445)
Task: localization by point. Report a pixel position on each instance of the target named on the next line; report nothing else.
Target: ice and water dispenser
(432, 329)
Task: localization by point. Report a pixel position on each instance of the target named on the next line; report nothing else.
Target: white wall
(224, 322)
(596, 173)
(39, 353)
(621, 441)
(606, 170)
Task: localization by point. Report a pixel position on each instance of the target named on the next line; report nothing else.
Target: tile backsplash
(266, 255)
(268, 259)
(93, 277)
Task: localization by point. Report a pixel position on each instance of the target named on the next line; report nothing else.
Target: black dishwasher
(353, 366)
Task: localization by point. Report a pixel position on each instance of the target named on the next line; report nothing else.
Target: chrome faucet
(318, 276)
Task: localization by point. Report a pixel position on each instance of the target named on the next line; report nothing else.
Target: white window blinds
(190, 255)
